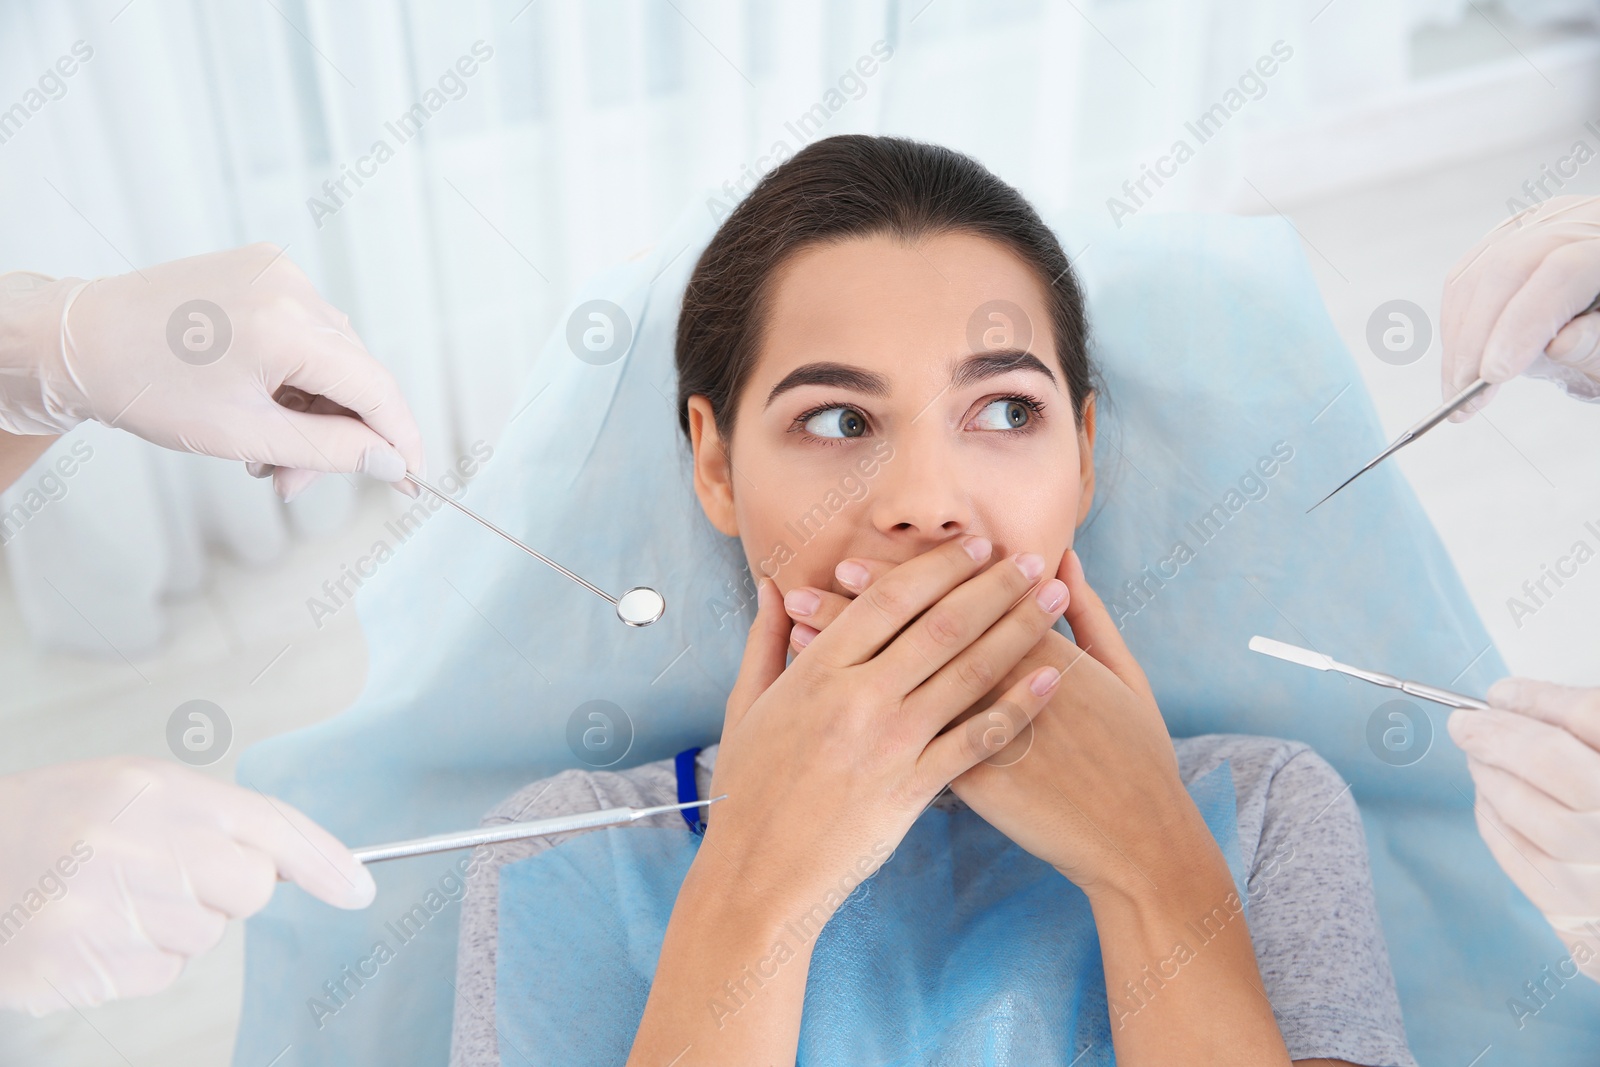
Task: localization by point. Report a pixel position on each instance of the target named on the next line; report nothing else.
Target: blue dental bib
(962, 949)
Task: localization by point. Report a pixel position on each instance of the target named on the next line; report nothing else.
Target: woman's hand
(826, 764)
(1093, 789)
(831, 760)
(1097, 794)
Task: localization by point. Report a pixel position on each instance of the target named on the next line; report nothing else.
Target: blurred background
(1392, 135)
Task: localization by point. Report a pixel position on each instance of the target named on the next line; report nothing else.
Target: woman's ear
(713, 474)
(1086, 460)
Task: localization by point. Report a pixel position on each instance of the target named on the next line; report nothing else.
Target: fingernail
(362, 889)
(803, 635)
(1031, 564)
(1463, 727)
(1575, 343)
(1045, 682)
(384, 464)
(977, 547)
(1506, 693)
(801, 601)
(1050, 595)
(853, 575)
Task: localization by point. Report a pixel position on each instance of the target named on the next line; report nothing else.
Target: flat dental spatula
(1317, 661)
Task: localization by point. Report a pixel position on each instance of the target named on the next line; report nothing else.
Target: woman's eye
(837, 422)
(1004, 415)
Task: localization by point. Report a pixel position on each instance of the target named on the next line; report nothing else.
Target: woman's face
(888, 412)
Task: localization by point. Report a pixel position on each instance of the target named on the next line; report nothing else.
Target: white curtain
(580, 131)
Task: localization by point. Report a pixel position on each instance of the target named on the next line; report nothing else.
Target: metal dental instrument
(1316, 660)
(1433, 419)
(639, 606)
(516, 831)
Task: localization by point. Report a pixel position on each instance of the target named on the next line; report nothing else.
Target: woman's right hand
(826, 764)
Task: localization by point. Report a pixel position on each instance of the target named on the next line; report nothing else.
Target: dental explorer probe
(1317, 661)
(1432, 419)
(516, 831)
(639, 606)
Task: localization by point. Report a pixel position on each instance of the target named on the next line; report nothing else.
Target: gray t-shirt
(1312, 917)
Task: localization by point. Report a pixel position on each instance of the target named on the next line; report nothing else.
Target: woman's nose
(921, 491)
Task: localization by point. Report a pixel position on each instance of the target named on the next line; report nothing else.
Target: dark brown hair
(845, 187)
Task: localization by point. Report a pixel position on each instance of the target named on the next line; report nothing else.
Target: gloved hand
(1509, 304)
(196, 355)
(113, 872)
(1535, 760)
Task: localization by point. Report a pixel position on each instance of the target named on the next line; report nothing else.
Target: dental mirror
(639, 606)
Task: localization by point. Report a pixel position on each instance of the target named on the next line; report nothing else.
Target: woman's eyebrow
(969, 371)
(993, 364)
(837, 375)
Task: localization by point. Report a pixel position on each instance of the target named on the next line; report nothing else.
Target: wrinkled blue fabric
(962, 950)
(1215, 347)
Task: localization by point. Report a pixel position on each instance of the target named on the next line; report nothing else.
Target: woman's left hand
(1092, 787)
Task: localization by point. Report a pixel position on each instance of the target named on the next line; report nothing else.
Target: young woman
(892, 313)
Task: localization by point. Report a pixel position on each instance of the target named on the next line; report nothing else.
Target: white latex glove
(114, 872)
(1509, 304)
(1535, 759)
(131, 351)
